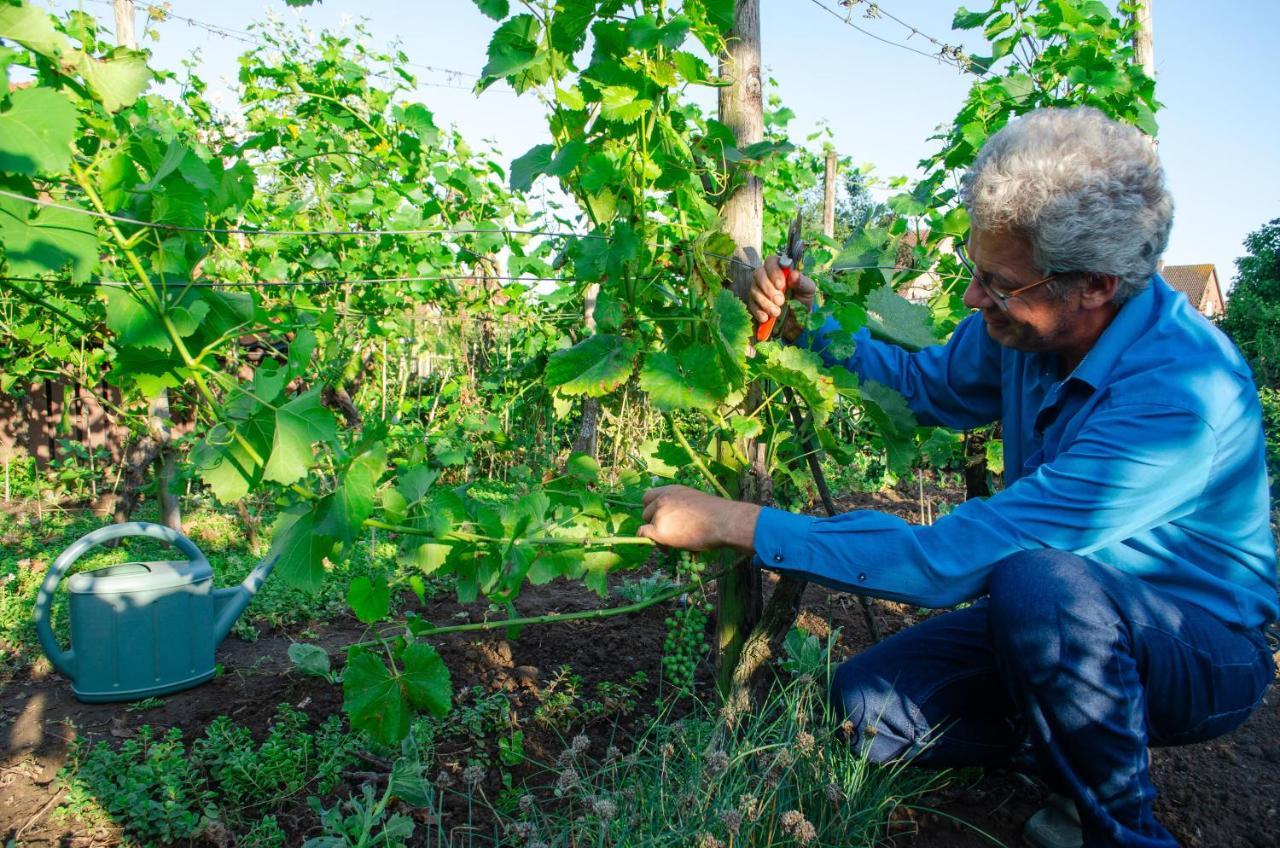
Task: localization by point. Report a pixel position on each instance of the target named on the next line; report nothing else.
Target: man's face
(1035, 320)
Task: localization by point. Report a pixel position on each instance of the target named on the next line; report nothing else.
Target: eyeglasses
(1000, 297)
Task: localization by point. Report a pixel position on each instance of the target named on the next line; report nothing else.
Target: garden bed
(1217, 794)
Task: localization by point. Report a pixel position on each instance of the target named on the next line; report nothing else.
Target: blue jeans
(1069, 662)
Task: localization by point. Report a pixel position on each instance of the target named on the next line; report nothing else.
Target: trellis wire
(944, 57)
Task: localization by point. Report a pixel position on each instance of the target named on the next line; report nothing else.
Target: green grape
(684, 643)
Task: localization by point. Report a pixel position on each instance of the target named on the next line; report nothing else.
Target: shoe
(1056, 826)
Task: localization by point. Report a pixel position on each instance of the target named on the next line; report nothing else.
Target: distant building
(1199, 283)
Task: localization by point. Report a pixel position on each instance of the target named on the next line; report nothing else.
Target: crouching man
(1123, 577)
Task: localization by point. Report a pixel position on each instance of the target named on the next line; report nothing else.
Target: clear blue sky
(1218, 74)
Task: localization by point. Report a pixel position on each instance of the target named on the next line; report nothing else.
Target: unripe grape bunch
(684, 645)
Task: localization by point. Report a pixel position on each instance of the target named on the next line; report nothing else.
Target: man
(1126, 572)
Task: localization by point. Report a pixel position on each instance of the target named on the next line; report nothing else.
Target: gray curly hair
(1087, 192)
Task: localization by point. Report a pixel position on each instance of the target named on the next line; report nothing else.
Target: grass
(781, 775)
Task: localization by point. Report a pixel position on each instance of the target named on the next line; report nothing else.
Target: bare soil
(1218, 795)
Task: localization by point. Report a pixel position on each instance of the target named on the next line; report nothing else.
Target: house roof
(1191, 280)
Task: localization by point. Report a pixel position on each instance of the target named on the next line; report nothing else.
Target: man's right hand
(769, 293)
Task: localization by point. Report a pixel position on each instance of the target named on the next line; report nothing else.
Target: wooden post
(124, 24)
(588, 440)
(161, 423)
(738, 595)
(742, 110)
(1143, 48)
(829, 195)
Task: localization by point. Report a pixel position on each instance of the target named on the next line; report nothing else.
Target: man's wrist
(740, 526)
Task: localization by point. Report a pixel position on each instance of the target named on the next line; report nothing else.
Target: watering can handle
(44, 600)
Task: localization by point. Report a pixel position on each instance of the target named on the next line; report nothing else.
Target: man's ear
(1099, 289)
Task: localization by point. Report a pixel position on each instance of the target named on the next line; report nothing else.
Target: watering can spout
(229, 603)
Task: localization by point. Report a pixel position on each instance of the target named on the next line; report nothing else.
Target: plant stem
(697, 460)
(553, 618)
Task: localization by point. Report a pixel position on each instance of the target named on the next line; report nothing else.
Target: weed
(161, 793)
(779, 775)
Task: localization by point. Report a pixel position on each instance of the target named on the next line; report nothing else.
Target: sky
(1217, 73)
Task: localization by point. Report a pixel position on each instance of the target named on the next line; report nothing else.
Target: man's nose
(975, 297)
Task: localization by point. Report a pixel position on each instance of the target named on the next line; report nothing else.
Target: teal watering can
(142, 628)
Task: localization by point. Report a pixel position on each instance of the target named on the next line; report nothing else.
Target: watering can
(142, 628)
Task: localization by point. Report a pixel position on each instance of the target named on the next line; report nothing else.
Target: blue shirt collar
(1130, 322)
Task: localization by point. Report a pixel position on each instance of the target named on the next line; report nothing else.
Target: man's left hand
(680, 517)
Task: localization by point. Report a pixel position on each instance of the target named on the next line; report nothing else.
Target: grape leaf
(372, 697)
(895, 319)
(33, 29)
(594, 366)
(354, 499)
(369, 598)
(496, 9)
(731, 329)
(36, 132)
(47, 241)
(801, 370)
(299, 423)
(514, 47)
(119, 79)
(134, 324)
(888, 410)
(527, 168)
(300, 548)
(694, 381)
(426, 679)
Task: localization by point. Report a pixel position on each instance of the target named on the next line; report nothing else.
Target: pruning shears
(791, 260)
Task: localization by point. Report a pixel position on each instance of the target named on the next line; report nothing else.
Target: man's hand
(680, 517)
(769, 293)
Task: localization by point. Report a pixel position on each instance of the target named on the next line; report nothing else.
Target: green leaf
(964, 19)
(720, 13)
(569, 25)
(36, 132)
(731, 330)
(299, 423)
(311, 659)
(354, 499)
(496, 9)
(418, 119)
(694, 381)
(301, 550)
(134, 324)
(895, 319)
(372, 697)
(426, 679)
(32, 27)
(370, 600)
(583, 467)
(119, 79)
(527, 168)
(888, 409)
(47, 241)
(594, 366)
(995, 456)
(514, 47)
(622, 103)
(566, 158)
(801, 370)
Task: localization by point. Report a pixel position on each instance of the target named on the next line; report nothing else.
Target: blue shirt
(1148, 457)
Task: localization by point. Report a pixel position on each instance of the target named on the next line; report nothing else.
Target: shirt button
(777, 557)
(862, 578)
